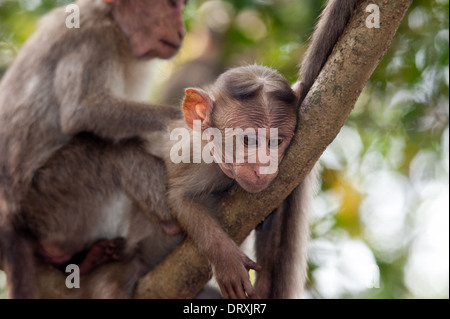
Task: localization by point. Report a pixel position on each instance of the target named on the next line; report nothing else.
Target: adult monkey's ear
(197, 105)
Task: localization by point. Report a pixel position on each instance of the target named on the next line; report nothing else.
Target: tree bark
(323, 113)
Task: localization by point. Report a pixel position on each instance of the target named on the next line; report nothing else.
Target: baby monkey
(243, 101)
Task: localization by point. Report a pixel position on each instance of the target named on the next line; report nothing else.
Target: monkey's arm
(88, 93)
(114, 118)
(230, 264)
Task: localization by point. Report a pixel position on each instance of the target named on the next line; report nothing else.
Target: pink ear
(195, 106)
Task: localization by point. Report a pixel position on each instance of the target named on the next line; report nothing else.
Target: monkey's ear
(196, 106)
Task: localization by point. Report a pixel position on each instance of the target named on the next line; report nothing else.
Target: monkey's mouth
(152, 52)
(174, 46)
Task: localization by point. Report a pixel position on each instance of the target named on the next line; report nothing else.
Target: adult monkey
(66, 81)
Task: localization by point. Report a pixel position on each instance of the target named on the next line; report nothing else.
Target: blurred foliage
(380, 223)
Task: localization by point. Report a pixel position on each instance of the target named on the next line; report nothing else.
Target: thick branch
(326, 108)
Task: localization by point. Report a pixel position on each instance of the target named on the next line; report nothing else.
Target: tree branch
(323, 113)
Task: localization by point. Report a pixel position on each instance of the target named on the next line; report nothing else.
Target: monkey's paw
(233, 278)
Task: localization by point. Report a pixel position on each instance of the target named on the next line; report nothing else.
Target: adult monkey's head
(154, 28)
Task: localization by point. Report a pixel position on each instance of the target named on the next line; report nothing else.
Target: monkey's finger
(231, 292)
(250, 264)
(224, 291)
(238, 291)
(251, 293)
(243, 285)
(247, 287)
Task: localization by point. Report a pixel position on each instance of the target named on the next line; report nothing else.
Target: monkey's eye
(250, 141)
(276, 142)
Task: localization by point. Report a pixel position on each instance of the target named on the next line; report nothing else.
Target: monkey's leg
(85, 191)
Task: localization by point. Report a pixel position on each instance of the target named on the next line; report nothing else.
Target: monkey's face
(154, 28)
(256, 161)
(255, 111)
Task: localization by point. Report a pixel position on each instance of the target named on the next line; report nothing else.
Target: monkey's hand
(232, 276)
